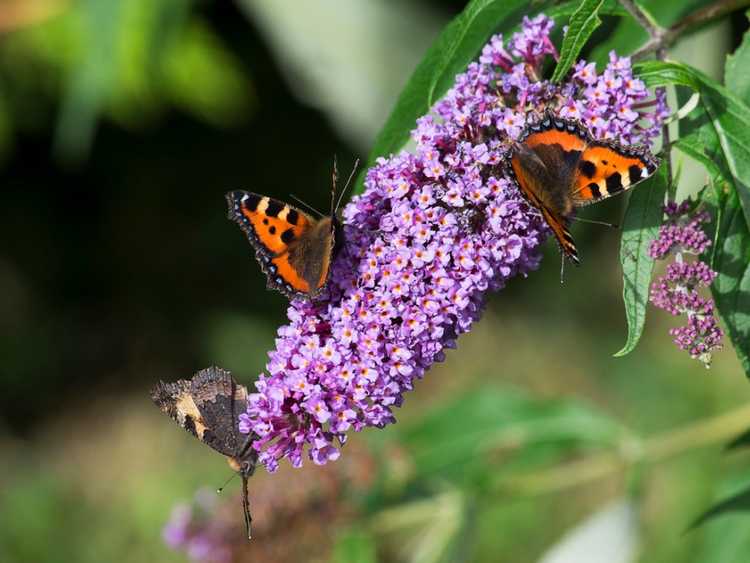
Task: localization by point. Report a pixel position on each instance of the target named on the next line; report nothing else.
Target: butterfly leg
(246, 508)
(562, 268)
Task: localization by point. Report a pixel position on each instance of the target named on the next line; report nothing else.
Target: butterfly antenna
(221, 489)
(310, 207)
(348, 181)
(334, 181)
(246, 508)
(595, 222)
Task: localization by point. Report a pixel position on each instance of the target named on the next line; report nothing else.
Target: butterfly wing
(207, 406)
(279, 233)
(545, 163)
(606, 169)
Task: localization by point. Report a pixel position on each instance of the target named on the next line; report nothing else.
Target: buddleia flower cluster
(677, 291)
(435, 230)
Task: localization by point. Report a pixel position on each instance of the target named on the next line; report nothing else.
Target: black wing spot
(272, 230)
(287, 236)
(634, 173)
(292, 217)
(265, 220)
(587, 168)
(274, 208)
(605, 162)
(595, 190)
(614, 183)
(190, 425)
(571, 157)
(251, 202)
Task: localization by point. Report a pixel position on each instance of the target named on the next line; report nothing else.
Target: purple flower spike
(433, 232)
(677, 290)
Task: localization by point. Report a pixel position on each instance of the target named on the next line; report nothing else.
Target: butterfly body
(208, 406)
(294, 249)
(559, 167)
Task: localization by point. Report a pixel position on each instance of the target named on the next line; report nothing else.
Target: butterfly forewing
(293, 249)
(607, 170)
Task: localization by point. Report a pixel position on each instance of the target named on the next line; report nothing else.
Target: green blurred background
(122, 124)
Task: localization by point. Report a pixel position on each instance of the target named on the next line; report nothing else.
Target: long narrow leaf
(642, 221)
(739, 502)
(582, 24)
(731, 259)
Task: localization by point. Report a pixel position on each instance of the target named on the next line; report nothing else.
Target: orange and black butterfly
(559, 167)
(294, 249)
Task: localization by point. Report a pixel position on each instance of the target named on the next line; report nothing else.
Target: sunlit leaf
(582, 24)
(641, 225)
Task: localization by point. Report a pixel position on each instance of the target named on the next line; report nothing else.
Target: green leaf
(725, 528)
(354, 544)
(736, 75)
(731, 259)
(728, 114)
(582, 24)
(450, 54)
(496, 419)
(738, 502)
(641, 225)
(90, 82)
(741, 441)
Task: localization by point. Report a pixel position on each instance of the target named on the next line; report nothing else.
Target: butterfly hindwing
(293, 249)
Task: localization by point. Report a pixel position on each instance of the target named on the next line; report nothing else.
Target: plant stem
(632, 452)
(661, 54)
(661, 38)
(645, 21)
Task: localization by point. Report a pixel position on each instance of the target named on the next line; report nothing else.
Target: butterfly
(208, 406)
(294, 250)
(559, 167)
